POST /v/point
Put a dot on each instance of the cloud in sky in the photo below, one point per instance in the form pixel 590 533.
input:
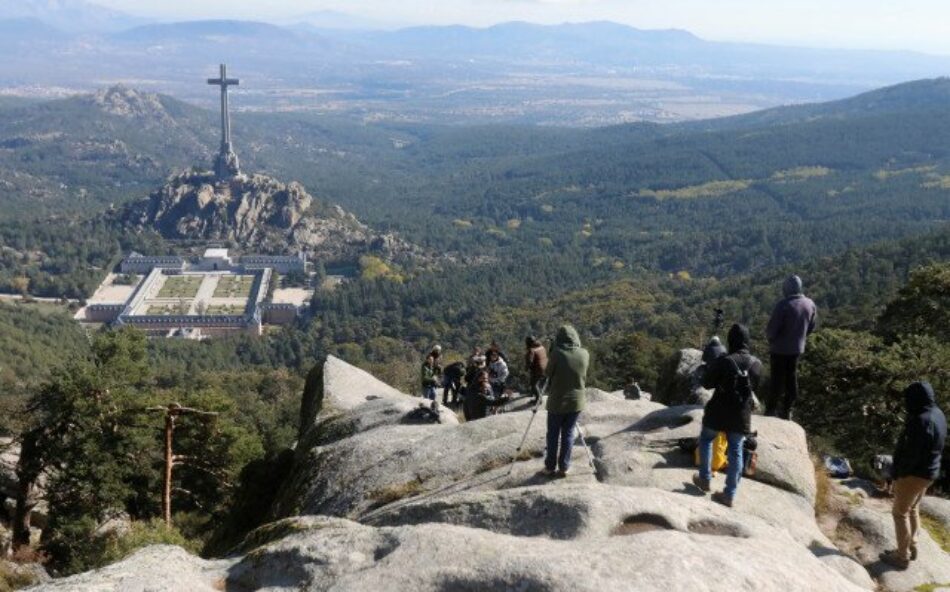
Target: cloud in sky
pixel 909 24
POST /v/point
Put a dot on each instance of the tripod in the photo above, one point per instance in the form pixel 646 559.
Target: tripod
pixel 590 457
pixel 534 412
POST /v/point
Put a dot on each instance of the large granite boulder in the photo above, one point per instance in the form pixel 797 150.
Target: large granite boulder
pixel 260 213
pixel 343 400
pixel 322 554
pixel 342 555
pixel 938 509
pixel 379 501
pixel 160 568
pixel 875 532
pixel 679 380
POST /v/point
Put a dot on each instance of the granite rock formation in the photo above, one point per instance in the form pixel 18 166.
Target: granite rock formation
pixel 260 213
pixel 377 500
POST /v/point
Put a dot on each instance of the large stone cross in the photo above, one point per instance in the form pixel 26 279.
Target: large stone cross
pixel 226 164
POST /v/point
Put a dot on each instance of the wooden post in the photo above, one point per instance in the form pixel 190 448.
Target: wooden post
pixel 169 464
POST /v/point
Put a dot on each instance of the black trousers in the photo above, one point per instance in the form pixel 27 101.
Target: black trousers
pixel 453 386
pixel 784 382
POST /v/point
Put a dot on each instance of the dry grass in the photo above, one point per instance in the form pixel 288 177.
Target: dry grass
pixel 711 189
pixel 938 532
pixel 801 173
pixel 394 493
pixel 825 502
pixel 12 578
pixel 497 463
pixel 29 555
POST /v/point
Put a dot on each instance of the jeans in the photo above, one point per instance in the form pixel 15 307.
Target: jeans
pixel 428 392
pixel 908 492
pixel 562 428
pixel 734 470
pixel 784 380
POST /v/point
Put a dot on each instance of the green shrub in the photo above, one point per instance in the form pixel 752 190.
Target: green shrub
pixel 853 382
pixel 140 535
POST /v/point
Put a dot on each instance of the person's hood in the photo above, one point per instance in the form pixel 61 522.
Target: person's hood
pixel 792 286
pixel 567 338
pixel 919 397
pixel 738 338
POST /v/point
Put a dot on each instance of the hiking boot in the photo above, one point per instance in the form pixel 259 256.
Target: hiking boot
pixel 913 552
pixel 702 484
pixel 562 473
pixel 720 497
pixel 547 472
pixel 894 559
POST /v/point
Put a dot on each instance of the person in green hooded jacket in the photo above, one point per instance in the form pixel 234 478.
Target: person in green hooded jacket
pixel 566 389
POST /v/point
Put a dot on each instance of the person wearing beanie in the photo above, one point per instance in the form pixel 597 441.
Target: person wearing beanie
pixel 734 378
pixel 794 318
pixel 713 350
pixel 916 466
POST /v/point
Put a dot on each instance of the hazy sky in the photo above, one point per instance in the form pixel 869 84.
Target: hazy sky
pixel 887 24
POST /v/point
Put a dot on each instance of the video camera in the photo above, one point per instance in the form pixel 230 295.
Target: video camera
pixel 719 320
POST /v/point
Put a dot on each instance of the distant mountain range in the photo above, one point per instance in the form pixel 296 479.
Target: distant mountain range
pixel 584 74
pixel 69 15
pixel 331 19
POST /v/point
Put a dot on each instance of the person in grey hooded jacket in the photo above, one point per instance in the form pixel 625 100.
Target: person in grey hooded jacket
pixel 793 320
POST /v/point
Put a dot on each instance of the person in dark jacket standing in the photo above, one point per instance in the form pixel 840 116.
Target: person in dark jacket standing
pixel 452 383
pixel 536 362
pixel 729 411
pixel 916 466
pixel 567 397
pixel 792 321
pixel 480 393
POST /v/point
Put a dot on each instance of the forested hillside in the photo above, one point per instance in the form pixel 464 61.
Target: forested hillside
pixel 634 234
pixel 764 190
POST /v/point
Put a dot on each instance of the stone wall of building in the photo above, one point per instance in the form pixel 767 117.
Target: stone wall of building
pixel 279 313
pixel 103 313
pixel 139 264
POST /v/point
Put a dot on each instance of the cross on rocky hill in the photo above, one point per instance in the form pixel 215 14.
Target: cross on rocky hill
pixel 226 164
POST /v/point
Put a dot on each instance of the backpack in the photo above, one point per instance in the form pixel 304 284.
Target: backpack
pixel 750 458
pixel 741 383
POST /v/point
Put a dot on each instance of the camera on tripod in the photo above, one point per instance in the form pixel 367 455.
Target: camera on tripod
pixel 719 320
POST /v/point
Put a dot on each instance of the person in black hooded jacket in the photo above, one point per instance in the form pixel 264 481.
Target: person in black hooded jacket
pixel 727 412
pixel 916 466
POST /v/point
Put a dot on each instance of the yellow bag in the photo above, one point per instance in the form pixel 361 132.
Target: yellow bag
pixel 719 449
